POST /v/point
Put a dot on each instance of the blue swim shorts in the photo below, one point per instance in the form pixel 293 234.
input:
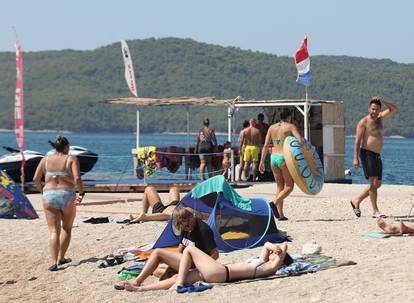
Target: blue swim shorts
pixel 59 198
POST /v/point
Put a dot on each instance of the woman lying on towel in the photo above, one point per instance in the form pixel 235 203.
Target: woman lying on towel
pixel 392 229
pixel 207 269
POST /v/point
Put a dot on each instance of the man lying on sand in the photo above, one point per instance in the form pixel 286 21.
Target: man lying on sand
pixel 401 228
pixel 160 212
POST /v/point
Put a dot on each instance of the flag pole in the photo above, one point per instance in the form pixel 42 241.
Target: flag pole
pixel 306 120
pixel 18 107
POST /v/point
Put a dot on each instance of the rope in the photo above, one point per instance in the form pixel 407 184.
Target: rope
pixel 188 154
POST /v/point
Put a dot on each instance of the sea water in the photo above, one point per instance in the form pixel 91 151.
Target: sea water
pixel 115 158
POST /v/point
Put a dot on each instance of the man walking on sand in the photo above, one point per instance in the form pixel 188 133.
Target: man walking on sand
pixel 369 140
pixel 251 139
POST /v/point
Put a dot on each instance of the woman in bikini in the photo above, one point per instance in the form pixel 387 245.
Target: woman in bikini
pixel 208 269
pixel 272 257
pixel 277 134
pixel 206 141
pixel 62 177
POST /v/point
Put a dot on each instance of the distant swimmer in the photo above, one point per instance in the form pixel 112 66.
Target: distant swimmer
pixel 369 141
pixel 251 140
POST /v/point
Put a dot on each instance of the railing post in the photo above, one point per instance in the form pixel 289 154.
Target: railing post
pixel 232 168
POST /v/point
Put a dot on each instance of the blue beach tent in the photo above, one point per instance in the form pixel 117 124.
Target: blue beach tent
pixel 13 203
pixel 237 222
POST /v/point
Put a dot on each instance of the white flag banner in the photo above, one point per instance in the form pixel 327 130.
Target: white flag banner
pixel 129 69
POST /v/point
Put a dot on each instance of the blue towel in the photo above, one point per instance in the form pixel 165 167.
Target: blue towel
pixel 376 234
pixel 297 267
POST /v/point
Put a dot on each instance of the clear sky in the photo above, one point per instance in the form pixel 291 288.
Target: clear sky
pixel 363 28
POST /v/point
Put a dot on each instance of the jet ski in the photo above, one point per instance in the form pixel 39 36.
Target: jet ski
pixel 87 159
pixel 12 163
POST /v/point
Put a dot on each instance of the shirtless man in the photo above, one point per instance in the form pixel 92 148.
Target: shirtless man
pixel 369 140
pixel 160 212
pixel 251 139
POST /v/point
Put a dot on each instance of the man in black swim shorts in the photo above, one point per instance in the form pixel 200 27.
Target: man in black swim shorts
pixel 160 212
pixel 369 141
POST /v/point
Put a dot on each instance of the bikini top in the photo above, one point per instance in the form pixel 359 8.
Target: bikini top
pixel 256 262
pixel 54 174
pixel 278 140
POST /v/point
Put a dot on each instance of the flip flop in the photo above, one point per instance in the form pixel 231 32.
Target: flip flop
pixel 283 219
pixel 54 267
pixel 119 286
pixel 199 287
pixel 356 210
pixel 379 216
pixel 64 261
pixel 184 288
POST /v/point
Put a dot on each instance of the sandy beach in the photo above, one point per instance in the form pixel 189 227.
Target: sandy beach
pixel 384 271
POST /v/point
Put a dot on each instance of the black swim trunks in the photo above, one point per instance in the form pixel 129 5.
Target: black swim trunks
pixel 371 163
pixel 159 207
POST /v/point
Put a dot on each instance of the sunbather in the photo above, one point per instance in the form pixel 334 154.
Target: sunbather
pixel 207 269
pixel 401 228
pixel 160 212
pixel 194 233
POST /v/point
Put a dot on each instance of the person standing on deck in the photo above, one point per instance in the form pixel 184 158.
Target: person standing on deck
pixel 251 139
pixel 205 145
pixel 369 141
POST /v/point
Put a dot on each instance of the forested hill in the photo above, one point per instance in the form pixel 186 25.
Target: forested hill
pixel 62 87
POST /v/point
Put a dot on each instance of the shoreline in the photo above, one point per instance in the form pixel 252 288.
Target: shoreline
pixel 5 130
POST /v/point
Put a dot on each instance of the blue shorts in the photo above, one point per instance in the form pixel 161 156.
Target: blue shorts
pixel 59 198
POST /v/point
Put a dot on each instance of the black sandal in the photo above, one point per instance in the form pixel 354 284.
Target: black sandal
pixel 54 267
pixel 64 261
